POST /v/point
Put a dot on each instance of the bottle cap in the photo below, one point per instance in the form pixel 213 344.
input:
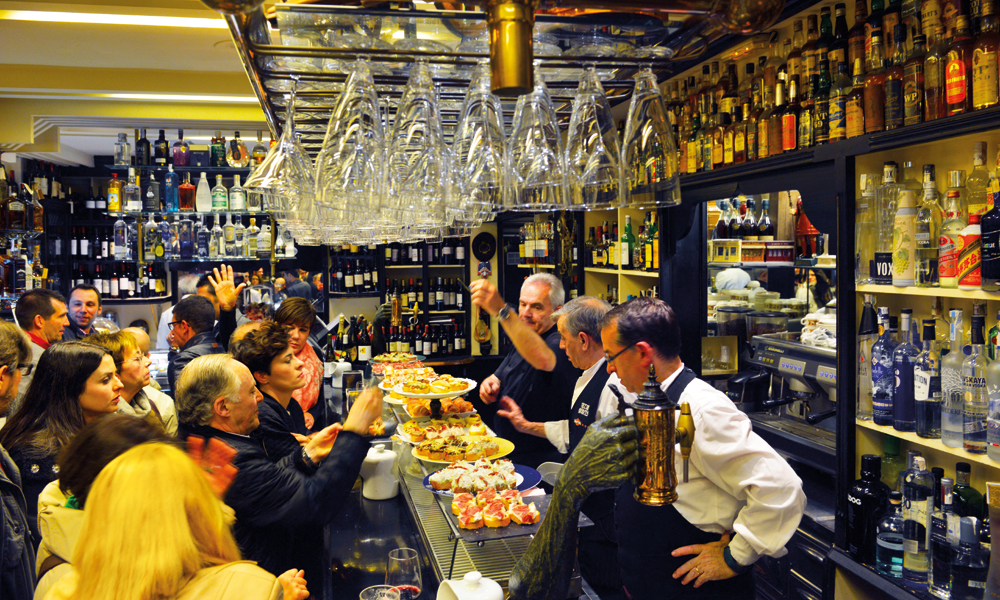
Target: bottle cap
pixel 963 467
pixel 895 497
pixel 871 463
pixel 919 463
pixel 969 534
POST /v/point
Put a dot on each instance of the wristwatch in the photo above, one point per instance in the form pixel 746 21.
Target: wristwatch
pixel 504 313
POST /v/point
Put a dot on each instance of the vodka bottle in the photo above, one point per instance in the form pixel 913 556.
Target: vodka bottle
pixel 867 334
pixel 121 240
pixel 976 397
pixel 928 232
pixel 239 237
pixel 237 197
pixel 203 237
pixel 123 151
pixel 904 245
pixel 885 215
pixel 993 412
pixel 131 192
pixel 203 195
pixel 150 235
pixel 229 236
pixel 251 239
pixel 918 505
pixel 883 384
pixel 864 228
pixel 952 392
pixel 217 243
pixel 944 534
pixel 220 196
pixel 903 360
pixel 889 539
pixel 970 563
pixel 927 386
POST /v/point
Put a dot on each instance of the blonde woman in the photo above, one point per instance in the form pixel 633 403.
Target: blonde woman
pixel 154 529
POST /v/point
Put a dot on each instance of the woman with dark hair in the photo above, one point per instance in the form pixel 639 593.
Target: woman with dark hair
pixel 297 316
pixel 61 503
pixel 74 383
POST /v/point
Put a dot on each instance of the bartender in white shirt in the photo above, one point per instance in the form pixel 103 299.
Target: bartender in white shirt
pixel 580 336
pixel 742 500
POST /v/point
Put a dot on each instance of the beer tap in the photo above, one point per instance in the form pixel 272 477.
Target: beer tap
pixel 654 417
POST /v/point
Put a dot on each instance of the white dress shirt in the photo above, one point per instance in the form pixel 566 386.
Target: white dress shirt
pixel 557 432
pixel 736 482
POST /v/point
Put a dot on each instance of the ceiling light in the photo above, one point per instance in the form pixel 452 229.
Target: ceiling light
pixel 184 98
pixel 112 19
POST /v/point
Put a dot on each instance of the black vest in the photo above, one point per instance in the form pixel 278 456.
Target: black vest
pixel 584 411
pixel 648 534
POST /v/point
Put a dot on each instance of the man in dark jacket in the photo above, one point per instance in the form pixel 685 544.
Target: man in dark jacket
pixel 281 507
pixel 191 331
pixel 17 557
pixel 297 287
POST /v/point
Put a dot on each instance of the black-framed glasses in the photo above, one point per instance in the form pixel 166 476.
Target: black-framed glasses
pixel 26 369
pixel 611 359
pixel 173 324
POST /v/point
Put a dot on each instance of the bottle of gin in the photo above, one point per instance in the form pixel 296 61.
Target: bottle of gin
pixel 239 236
pixel 203 195
pixel 928 232
pixel 229 235
pixel 968 500
pixel 150 234
pixel 121 239
pixel 969 563
pixel 889 539
pixel 944 534
pixel 976 396
pixel 952 391
pixel 867 334
pixel 203 237
pixel 151 199
pixel 883 384
pixel 237 197
pixel 131 192
pixel 171 185
pixel 927 386
pixel 866 502
pixel 217 242
pixel 904 413
pixel 220 196
pixel 264 242
pixel 251 239
pixel 123 151
pixel 918 505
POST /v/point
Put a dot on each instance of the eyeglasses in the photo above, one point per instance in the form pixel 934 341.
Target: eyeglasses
pixel 26 369
pixel 137 359
pixel 173 324
pixel 611 359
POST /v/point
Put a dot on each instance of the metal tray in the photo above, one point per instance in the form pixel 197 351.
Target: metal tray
pixel 485 534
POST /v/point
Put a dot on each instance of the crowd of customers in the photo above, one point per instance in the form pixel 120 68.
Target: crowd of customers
pixel 112 488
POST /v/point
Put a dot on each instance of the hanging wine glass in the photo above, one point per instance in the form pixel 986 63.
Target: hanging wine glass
pixel 480 151
pixel 592 148
pixel 650 178
pixel 537 162
pixel 418 179
pixel 350 168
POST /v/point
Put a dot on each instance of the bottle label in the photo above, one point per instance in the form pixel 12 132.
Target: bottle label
pixel 727 150
pixel 874 108
pixel 984 78
pixel 926 385
pixel 763 149
pixel 903 246
pixel 717 154
pixel 913 92
pixel 956 85
pixel 881 269
pixel 894 102
pixel 692 162
pixel 969 260
pixel 855 117
pixel 930 16
pixel 364 353
pixel 821 121
pixel 949 248
pixel 220 201
pixel 789 132
pixel 838 118
pixel 991 257
pixel 882 390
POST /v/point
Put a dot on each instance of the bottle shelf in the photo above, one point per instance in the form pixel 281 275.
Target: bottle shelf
pixel 650 274
pixel 602 270
pixel 938 445
pixel 187 169
pixel 186 213
pixel 758 265
pixel 403 266
pixel 220 260
pixel 889 587
pixel 354 295
pixel 455 266
pixel 152 300
pixel 536 266
pixel 931 292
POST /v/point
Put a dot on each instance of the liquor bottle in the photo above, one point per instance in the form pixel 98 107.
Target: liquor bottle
pixel 952 390
pixel 114 194
pixel 121 239
pixel 131 193
pixel 229 236
pixel 123 151
pixel 170 190
pixel 958 82
pixel 775 135
pixel 883 384
pixel 935 78
pixel 203 195
pixel 978 181
pixel 626 244
pixel 904 361
pixel 873 24
pixel 185 238
pixel 259 151
pixel 810 60
pixel 837 51
pixel 186 194
pixel 985 78
pixel 950 240
pixel 790 118
pixel 976 395
pixel 856 47
pixel 181 150
pixel 239 236
pixel 735 223
pixel 237 155
pixel 717 133
pixel 220 196
pixel 894 81
pixel 927 385
pixel 264 241
pixel 918 505
pixel 889 538
pixel 253 200
pixel 856 103
pixel 943 534
pixel 866 503
pixel 160 150
pixel 252 232
pixel 150 231
pixel 217 157
pixel 202 237
pixel 913 82
pixel 839 93
pixel 151 199
pixel 868 333
pixel 968 500
pixel 748 226
pixel 439 294
pixel 970 256
pixel 993 419
pixel 970 563
pixel 928 234
pixel 237 197
pixel 143 157
pixel 890 19
pixel 821 105
pixel 875 86
pixel 794 60
pixel 806 134
pixel 865 228
pixel 903 239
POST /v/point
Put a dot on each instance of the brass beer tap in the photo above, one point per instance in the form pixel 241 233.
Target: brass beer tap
pixel 656 479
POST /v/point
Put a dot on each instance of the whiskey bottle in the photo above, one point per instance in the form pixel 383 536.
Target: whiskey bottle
pixel 958 69
pixel 875 86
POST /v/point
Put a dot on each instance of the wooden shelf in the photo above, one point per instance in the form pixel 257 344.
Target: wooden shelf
pixel 387 267
pixel 536 266
pixel 455 266
pixel 154 300
pixel 931 292
pixel 650 274
pixel 602 270
pixel 958 453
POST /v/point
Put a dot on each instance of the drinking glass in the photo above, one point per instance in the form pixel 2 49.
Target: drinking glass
pixel 650 178
pixel 402 571
pixel 417 162
pixel 592 148
pixel 479 150
pixel 537 162
pixel 379 592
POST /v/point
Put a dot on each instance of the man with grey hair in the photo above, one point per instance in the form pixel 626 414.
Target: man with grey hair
pixel 536 374
pixel 579 324
pixel 281 506
pixel 186 286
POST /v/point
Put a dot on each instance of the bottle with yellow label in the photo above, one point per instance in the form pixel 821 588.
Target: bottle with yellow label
pixel 985 78
pixel 114 194
pixel 856 103
pixel 904 239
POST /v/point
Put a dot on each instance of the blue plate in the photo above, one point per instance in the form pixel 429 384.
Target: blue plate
pixel 527 478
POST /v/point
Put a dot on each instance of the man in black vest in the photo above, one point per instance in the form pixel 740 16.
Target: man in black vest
pixel 536 373
pixel 579 324
pixel 741 500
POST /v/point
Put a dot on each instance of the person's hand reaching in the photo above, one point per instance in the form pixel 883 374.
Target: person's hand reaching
pixel 293 584
pixel 216 461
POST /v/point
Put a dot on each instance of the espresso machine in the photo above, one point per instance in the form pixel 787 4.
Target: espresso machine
pixel 801 398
